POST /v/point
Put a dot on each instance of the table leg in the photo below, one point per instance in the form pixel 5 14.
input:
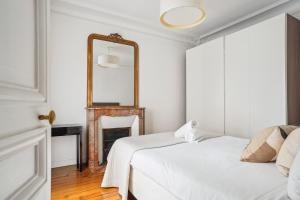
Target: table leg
pixel 77 149
pixel 80 147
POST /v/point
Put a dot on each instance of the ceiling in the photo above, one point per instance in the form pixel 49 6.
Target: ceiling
pixel 219 12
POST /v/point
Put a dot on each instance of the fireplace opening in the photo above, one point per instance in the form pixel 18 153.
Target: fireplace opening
pixel 110 135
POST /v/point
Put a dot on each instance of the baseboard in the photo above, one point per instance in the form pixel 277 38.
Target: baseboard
pixel 61 163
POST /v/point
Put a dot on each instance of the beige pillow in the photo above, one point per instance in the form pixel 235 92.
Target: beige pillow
pixel 288 152
pixel 265 146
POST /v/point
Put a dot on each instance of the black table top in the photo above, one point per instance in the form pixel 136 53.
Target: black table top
pixel 66 129
pixel 66 125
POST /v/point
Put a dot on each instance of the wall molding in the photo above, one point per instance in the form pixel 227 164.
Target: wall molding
pixel 92 12
pixel 280 6
pixel 61 163
pixel 86 11
pixel 13 144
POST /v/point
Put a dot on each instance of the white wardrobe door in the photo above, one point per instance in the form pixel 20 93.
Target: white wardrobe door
pixel 255 78
pixel 237 97
pixel 267 47
pixel 205 85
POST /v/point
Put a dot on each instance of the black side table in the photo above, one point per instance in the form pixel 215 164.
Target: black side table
pixel 70 129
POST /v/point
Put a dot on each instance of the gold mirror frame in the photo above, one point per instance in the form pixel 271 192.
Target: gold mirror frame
pixel 116 38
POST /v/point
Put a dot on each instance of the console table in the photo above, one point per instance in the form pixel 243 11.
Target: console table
pixel 70 129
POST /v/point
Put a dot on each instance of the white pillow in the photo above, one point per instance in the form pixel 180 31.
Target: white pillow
pixel 294 179
pixel 200 135
pixel 186 128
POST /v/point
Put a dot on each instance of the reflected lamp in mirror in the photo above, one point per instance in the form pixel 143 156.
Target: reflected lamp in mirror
pixel 116 57
pixel 108 61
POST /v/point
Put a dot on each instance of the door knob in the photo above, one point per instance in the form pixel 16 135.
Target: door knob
pixel 50 117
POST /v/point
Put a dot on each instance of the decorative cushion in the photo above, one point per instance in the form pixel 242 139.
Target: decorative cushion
pixel 288 152
pixel 265 146
pixel 294 179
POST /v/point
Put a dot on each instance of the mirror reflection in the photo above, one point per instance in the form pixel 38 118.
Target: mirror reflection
pixel 113 74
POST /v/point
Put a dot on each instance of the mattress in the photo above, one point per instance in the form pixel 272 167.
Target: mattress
pixel 210 170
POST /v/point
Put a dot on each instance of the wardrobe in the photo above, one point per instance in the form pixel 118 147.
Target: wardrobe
pixel 243 82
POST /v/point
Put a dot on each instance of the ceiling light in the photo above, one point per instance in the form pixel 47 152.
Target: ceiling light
pixel 182 14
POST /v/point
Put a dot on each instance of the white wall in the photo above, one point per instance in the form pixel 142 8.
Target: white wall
pixel 162 78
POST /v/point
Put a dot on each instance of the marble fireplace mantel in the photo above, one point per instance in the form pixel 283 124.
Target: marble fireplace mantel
pixel 93 115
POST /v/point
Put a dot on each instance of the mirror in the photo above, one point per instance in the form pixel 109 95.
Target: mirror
pixel 112 71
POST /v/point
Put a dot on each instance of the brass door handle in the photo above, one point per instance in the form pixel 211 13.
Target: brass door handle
pixel 50 117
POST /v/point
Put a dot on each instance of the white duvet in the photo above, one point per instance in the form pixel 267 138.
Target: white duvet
pixel 118 162
pixel 210 170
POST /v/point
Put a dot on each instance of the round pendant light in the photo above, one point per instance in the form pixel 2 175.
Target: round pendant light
pixel 181 14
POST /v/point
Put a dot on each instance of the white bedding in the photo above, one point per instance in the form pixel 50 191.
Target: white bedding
pixel 210 170
pixel 118 162
pixel 144 188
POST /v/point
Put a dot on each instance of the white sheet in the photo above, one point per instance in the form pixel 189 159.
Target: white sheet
pixel 118 161
pixel 210 170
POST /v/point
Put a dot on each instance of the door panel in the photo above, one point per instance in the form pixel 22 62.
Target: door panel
pixel 24 140
pixel 205 85
pixel 237 80
pixel 255 82
pixel 23 163
pixel 23 175
pixel 267 70
pixel 18 64
pixel 23 50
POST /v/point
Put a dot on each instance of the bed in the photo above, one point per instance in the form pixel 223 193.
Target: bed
pixel 210 170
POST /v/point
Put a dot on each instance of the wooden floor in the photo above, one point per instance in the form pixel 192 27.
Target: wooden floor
pixel 68 183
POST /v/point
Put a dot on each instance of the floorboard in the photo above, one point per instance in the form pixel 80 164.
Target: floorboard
pixel 68 183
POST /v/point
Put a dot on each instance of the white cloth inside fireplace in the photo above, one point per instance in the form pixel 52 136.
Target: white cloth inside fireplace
pixel 105 122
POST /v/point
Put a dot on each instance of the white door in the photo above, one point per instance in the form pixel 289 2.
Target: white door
pixel 24 140
pixel 237 79
pixel 255 82
pixel 205 85
pixel 267 47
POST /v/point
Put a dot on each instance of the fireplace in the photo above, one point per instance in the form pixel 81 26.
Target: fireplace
pixel 99 118
pixel 110 135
